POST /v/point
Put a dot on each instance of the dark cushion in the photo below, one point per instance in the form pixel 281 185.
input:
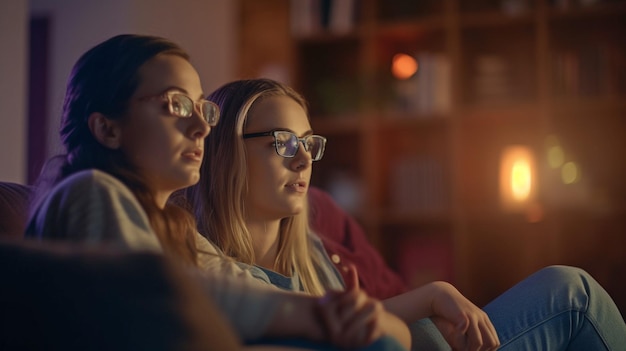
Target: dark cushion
pixel 62 297
pixel 347 244
pixel 13 209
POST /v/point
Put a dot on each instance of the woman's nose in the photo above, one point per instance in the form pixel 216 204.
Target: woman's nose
pixel 199 127
pixel 302 159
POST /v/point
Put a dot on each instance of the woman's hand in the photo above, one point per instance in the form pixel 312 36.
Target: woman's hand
pixel 353 319
pixel 462 324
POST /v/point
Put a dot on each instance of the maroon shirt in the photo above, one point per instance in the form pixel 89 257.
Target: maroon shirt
pixel 346 243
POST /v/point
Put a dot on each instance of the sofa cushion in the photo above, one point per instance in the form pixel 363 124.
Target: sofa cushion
pixel 13 209
pixel 67 297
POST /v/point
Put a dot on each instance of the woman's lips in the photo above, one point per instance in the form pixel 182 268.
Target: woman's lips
pixel 297 186
pixel 194 155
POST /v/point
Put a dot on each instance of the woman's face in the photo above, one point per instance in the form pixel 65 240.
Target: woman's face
pixel 166 150
pixel 277 185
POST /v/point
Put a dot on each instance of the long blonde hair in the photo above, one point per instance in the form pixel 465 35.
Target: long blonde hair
pixel 218 200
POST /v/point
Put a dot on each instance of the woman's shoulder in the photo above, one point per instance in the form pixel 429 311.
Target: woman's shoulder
pixel 87 186
pixel 92 206
pixel 92 185
pixel 92 179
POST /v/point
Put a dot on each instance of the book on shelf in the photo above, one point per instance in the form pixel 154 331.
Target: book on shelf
pixel 491 79
pixel 565 70
pixel 583 72
pixel 418 186
pixel 428 92
pixel 310 17
pixel 569 4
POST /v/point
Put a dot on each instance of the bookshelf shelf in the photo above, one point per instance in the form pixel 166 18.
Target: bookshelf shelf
pixel 507 72
pixel 325 37
pixel 496 19
pixel 602 10
pixel 610 103
pixel 419 24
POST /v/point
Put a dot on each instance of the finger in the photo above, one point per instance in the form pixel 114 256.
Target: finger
pixel 474 337
pixel 337 307
pixel 490 336
pixel 449 332
pixel 459 338
pixel 352 279
pixel 327 309
pixel 494 334
pixel 362 326
pixel 344 319
pixel 457 341
pixel 462 325
pixel 351 304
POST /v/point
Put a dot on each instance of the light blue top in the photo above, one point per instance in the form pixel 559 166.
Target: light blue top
pixel 329 275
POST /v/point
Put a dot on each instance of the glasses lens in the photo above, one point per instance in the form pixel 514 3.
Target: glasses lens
pixel 181 105
pixel 315 146
pixel 286 144
pixel 211 113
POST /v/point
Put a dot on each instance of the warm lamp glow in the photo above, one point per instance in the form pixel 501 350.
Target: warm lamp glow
pixel 517 177
pixel 521 180
pixel 403 66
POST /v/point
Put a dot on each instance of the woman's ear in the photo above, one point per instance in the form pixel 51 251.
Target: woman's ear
pixel 105 130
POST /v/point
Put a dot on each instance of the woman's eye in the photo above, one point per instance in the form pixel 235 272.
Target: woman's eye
pixel 177 107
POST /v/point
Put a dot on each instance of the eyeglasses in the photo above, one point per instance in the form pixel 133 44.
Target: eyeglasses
pixel 287 143
pixel 181 105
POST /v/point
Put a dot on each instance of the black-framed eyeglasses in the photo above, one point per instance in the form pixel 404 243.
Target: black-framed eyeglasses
pixel 181 105
pixel 287 143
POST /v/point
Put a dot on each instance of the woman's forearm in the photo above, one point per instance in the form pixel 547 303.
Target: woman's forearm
pixel 415 304
pixel 296 316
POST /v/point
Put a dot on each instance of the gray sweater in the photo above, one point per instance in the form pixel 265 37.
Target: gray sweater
pixel 95 208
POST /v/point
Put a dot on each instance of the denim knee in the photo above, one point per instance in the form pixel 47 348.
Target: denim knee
pixel 563 274
pixel 567 283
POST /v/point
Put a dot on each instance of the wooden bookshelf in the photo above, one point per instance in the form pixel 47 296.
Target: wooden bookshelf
pixel 505 73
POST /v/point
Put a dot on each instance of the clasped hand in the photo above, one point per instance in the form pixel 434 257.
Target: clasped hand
pixel 354 320
pixel 464 326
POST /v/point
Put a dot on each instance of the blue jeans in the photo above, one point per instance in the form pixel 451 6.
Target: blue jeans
pixel 557 308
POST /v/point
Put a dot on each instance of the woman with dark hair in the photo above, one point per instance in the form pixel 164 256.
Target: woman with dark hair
pixel 251 201
pixel 133 127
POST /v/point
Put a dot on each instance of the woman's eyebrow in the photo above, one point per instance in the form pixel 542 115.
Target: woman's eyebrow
pixel 308 132
pixel 184 91
pixel 173 88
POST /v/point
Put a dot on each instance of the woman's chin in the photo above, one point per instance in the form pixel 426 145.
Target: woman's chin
pixel 297 210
